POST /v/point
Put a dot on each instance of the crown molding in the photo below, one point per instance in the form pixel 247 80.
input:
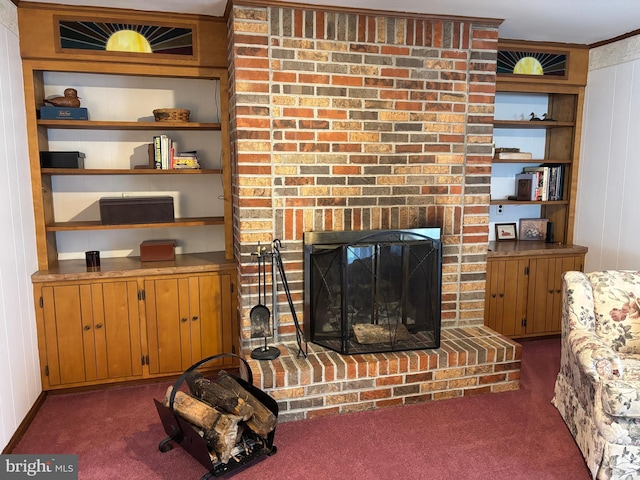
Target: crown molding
pixel 359 11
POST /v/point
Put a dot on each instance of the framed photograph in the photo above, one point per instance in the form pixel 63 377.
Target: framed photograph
pixel 506 231
pixel 533 229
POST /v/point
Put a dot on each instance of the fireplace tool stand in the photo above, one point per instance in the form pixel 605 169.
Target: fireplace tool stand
pixel 250 449
pixel 260 314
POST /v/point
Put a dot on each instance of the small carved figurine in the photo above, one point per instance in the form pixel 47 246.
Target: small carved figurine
pixel 534 118
pixel 547 118
pixel 70 99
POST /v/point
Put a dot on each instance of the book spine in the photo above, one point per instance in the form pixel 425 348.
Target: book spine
pixel 553 178
pixel 164 152
pixel 157 152
pixel 545 184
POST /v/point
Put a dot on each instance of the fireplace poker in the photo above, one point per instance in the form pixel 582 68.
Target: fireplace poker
pixel 276 244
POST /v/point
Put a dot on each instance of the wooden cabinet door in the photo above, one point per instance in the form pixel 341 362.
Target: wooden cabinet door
pixel 506 295
pixel 63 327
pixel 211 317
pixel 188 319
pixel 561 265
pixel 116 325
pixel 164 332
pixel 91 332
pixel 544 308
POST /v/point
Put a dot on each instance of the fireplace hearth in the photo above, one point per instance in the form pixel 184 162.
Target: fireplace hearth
pixel 373 291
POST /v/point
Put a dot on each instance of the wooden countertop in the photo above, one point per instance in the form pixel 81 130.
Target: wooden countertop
pixel 527 248
pixel 132 267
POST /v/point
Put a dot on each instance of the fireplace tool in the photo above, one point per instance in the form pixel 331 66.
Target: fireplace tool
pixel 260 314
pixel 250 448
pixel 277 258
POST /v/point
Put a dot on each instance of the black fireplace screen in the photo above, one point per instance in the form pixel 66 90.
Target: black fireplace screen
pixel 380 292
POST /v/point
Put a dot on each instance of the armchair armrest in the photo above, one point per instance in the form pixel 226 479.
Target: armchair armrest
pixel 578 311
pixel 597 360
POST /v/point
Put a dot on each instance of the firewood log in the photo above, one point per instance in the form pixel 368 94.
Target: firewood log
pixel 220 429
pixel 263 420
pixel 217 396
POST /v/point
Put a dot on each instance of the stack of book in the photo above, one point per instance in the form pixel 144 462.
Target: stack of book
pixel 185 160
pixel 506 153
pixel 547 182
pixel 163 152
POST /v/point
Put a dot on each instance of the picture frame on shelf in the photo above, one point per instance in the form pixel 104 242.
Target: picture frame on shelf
pixel 533 229
pixel 506 232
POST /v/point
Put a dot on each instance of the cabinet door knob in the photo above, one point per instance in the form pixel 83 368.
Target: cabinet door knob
pixel 493 295
pixel 550 291
pixel 99 325
pixel 558 290
pixel 87 328
pixel 183 319
pixel 501 295
pixel 194 318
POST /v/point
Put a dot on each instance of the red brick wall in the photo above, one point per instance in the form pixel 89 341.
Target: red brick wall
pixel 347 121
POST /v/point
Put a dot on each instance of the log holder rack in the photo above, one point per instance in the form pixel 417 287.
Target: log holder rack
pixel 184 434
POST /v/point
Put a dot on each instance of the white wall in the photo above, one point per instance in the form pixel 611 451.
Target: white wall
pixel 608 194
pixel 19 367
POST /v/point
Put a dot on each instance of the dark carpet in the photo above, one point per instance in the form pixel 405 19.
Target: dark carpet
pixel 510 435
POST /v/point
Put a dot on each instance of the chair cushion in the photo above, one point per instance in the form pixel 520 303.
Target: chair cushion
pixel 616 302
pixel 621 397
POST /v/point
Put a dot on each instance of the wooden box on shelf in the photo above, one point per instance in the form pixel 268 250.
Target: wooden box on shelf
pixel 157 251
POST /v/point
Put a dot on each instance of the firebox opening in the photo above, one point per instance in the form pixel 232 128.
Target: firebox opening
pixel 373 291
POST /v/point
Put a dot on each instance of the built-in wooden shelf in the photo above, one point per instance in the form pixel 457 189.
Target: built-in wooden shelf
pixel 530 124
pixel 524 248
pixel 130 171
pixel 531 160
pixel 96 225
pixel 531 202
pixel 117 267
pixel 109 125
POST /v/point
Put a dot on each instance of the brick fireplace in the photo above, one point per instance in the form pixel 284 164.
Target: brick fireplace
pixel 363 121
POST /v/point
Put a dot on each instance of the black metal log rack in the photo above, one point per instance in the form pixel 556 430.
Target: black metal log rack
pixel 250 447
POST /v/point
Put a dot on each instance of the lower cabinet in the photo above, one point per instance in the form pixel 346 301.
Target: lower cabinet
pixel 188 319
pixel 89 332
pixel 113 330
pixel 524 292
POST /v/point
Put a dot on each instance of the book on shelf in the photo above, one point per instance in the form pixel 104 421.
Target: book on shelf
pixel 186 160
pixel 164 155
pixel 547 182
pixel 513 155
pixel 542 182
pixel 556 182
pixel 157 155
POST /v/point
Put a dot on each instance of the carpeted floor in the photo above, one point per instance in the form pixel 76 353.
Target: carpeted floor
pixel 511 435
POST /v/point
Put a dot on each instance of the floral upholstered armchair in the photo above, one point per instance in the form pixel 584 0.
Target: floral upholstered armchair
pixel 597 391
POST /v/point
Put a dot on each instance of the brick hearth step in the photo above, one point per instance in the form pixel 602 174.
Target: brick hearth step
pixel 470 361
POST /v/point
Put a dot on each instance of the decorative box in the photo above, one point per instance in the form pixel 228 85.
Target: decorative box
pixel 157 250
pixel 128 210
pixel 63 113
pixel 62 159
